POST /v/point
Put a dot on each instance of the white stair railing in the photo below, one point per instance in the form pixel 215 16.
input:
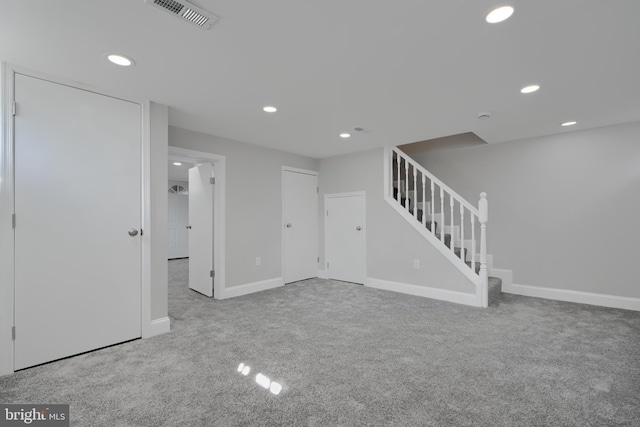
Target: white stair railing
pixel 416 194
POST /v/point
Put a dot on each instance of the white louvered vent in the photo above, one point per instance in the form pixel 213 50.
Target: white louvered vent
pixel 186 11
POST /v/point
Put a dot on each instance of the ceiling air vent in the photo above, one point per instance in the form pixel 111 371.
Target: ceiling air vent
pixel 361 130
pixel 186 11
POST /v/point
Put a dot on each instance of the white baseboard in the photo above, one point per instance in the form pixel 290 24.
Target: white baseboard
pixel 424 291
pixel 250 288
pixel 323 274
pixel 159 326
pixel 613 301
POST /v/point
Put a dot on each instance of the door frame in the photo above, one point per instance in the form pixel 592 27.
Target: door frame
pixel 364 243
pixel 283 219
pixel 219 197
pixel 7 206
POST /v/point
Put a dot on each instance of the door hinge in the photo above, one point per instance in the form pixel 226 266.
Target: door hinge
pixel 327 266
pixel 13 333
pixel 317 189
pixel 327 213
pixel 212 180
pixel 13 220
pixel 318 259
pixel 212 273
pixel 13 108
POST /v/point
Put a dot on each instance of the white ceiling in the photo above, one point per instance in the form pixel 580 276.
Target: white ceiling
pixel 179 172
pixel 407 70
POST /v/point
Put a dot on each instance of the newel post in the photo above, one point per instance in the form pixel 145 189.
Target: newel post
pixel 483 208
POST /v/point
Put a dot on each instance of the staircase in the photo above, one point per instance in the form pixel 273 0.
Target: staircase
pixel 453 225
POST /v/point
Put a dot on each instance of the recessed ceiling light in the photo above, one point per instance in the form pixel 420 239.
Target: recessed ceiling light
pixel 269 109
pixel 345 135
pixel 177 164
pixel 568 123
pixel 120 60
pixel 499 14
pixel 529 89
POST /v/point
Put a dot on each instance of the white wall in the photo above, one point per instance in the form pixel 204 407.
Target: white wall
pixel 159 124
pixel 253 202
pixel 563 209
pixel 392 243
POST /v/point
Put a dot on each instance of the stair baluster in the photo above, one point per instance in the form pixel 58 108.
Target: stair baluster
pixel 451 204
pixel 415 191
pixel 424 214
pixel 406 184
pixel 433 214
pixel 444 222
pixel 399 192
pixel 462 254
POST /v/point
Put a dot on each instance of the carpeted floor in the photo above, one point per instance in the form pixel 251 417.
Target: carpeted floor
pixel 347 355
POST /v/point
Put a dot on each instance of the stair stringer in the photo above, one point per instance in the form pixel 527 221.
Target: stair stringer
pixel 436 243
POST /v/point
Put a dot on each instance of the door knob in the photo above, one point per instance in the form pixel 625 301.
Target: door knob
pixel 133 232
pixel 188 227
pixel 358 228
pixel 288 225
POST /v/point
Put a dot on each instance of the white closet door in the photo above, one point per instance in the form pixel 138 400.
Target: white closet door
pixel 201 229
pixel 300 226
pixel 77 200
pixel 345 233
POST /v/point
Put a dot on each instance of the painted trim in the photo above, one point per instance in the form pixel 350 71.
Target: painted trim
pixel 6 229
pixel 282 212
pixel 298 170
pixel 323 274
pixel 328 196
pixel 219 210
pixel 146 243
pixel 425 291
pixel 250 288
pixel 159 326
pixel 613 301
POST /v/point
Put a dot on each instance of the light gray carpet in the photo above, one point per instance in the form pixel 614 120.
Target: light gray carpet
pixel 347 355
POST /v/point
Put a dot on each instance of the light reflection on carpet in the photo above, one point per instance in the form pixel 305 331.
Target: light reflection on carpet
pixel 261 379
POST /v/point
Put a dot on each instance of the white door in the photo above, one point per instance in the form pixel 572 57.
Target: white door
pixel 77 200
pixel 201 229
pixel 345 237
pixel 300 226
pixel 178 219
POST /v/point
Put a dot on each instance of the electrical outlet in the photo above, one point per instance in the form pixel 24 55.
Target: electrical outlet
pixel 416 263
pixel 258 260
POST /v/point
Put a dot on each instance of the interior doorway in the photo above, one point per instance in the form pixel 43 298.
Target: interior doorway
pixel 178 215
pixel 205 252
